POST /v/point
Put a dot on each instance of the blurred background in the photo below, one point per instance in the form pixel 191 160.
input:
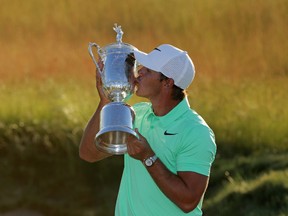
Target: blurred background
pixel 47 94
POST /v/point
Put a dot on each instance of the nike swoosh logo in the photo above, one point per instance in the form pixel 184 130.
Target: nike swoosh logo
pixel 166 133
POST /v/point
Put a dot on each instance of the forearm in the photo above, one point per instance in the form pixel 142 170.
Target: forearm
pixel 184 194
pixel 185 189
pixel 87 148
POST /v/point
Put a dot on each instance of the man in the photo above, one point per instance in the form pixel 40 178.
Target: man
pixel 166 170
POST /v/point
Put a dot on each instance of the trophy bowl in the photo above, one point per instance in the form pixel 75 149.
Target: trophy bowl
pixel 116 124
pixel 118 71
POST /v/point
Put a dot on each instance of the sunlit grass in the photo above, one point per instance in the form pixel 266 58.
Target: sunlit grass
pixel 224 38
pixel 246 116
pixel 254 186
pixel 47 94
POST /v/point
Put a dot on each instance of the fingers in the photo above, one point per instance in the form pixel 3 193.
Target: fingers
pixel 98 78
pixel 133 144
pixel 99 83
pixel 137 147
pixel 140 137
pixel 134 149
pixel 101 65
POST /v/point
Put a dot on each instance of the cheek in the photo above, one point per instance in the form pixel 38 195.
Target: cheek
pixel 151 86
pixel 144 88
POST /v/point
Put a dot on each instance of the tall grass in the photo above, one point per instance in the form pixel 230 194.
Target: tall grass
pixel 227 38
pixel 47 94
pixel 245 116
pixel 239 50
pixel 253 186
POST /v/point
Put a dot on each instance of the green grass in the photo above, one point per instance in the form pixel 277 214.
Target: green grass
pixel 48 94
pixel 41 130
pixel 248 115
pixel 244 116
pixel 253 185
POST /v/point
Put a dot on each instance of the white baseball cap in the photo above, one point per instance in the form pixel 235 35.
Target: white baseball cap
pixel 170 61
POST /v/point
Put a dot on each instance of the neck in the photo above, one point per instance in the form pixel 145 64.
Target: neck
pixel 163 106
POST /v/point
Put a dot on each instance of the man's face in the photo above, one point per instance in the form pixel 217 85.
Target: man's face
pixel 148 83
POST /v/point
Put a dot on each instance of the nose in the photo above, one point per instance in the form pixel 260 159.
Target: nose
pixel 141 71
pixel 140 74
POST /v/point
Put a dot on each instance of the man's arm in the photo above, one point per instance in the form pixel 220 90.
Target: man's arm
pixel 185 189
pixel 87 148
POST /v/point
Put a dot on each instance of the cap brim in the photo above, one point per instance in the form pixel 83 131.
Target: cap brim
pixel 144 59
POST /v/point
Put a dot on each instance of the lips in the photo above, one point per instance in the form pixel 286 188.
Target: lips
pixel 136 83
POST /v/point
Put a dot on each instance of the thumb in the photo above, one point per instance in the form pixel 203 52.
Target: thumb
pixel 140 137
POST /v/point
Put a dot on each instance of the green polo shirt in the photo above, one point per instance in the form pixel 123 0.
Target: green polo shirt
pixel 183 142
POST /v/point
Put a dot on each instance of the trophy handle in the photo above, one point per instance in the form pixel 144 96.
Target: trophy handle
pixel 91 45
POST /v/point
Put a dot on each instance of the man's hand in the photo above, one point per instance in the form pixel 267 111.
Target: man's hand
pixel 99 84
pixel 87 148
pixel 139 148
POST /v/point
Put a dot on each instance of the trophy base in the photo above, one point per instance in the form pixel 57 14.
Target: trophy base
pixel 113 139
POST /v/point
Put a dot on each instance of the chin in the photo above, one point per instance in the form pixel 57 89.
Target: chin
pixel 138 91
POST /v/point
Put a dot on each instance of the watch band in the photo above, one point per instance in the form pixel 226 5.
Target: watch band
pixel 150 161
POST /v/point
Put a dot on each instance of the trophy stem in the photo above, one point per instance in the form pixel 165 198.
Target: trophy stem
pixel 117 97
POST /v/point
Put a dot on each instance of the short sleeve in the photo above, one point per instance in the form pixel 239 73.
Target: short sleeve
pixel 197 151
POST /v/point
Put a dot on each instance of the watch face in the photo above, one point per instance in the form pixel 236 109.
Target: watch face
pixel 148 162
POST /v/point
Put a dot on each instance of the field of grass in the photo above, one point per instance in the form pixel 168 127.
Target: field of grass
pixel 239 49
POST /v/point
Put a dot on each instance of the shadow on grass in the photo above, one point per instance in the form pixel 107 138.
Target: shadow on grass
pixel 268 199
pixel 40 170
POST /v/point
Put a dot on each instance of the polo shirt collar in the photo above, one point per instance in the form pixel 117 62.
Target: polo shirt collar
pixel 174 114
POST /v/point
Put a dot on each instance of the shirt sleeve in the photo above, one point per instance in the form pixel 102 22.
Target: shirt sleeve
pixel 197 151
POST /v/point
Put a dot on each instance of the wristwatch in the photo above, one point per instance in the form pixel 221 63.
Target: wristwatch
pixel 150 161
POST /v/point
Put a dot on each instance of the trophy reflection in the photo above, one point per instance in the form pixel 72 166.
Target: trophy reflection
pixel 117 74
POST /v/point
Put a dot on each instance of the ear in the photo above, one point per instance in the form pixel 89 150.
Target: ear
pixel 169 83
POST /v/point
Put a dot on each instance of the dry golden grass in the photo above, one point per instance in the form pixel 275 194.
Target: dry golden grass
pixel 47 94
pixel 238 47
pixel 227 39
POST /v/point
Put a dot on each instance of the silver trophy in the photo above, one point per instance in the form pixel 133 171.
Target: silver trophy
pixel 117 117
